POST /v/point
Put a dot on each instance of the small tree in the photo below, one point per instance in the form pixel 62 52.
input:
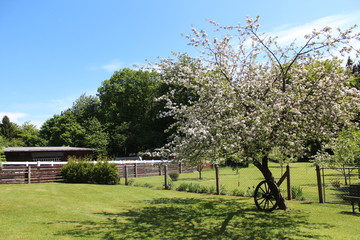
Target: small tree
pixel 8 129
pixel 279 155
pixel 341 152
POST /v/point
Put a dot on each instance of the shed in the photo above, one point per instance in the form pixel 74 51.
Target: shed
pixel 57 154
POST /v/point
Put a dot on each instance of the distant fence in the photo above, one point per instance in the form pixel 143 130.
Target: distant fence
pixel 333 183
pixel 41 171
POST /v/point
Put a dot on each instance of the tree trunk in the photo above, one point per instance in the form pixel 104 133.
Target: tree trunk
pixel 264 169
pixel 344 174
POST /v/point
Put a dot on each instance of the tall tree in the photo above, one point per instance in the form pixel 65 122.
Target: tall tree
pixel 8 129
pixel 85 108
pixel 63 130
pixel 254 95
pixel 95 136
pixel 130 111
pixel 30 135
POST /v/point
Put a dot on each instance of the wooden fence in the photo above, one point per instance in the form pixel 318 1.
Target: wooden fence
pixel 40 172
pixel 30 174
pixel 152 169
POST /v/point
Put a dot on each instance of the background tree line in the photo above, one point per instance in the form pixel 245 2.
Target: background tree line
pixel 122 118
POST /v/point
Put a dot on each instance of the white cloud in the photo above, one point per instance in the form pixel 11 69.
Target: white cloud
pixel 289 33
pixel 13 116
pixel 112 66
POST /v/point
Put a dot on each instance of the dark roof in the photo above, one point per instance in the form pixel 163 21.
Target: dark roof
pixel 46 149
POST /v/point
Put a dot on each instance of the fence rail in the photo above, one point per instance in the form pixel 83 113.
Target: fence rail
pixel 42 171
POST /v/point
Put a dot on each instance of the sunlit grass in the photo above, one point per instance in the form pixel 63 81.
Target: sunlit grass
pixel 84 211
pixel 303 175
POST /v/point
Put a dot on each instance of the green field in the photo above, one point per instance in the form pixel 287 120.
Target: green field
pixel 84 211
pixel 303 175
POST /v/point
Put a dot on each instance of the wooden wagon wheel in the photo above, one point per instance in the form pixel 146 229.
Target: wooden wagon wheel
pixel 264 198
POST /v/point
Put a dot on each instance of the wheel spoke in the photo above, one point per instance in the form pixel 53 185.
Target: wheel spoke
pixel 266 204
pixel 266 187
pixel 262 201
pixel 263 196
pixel 260 196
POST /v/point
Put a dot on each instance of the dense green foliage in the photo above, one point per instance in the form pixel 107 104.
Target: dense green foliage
pixel 77 172
pixel 129 111
pixel 174 175
pixel 87 172
pixel 123 118
pixel 13 135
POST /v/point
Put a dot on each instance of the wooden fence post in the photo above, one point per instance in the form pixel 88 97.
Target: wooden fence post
pixel 288 181
pixel 135 170
pixel 126 175
pixel 166 177
pixel 180 168
pixel 318 176
pixel 29 174
pixel 217 179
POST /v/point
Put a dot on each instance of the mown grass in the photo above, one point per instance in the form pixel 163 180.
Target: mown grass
pixel 84 211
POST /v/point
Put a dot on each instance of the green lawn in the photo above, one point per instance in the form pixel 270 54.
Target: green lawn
pixel 302 175
pixel 84 211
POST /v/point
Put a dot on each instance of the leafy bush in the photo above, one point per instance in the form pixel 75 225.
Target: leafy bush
pixel 131 182
pixel 174 175
pixel 183 187
pixel 84 171
pixel 336 184
pixel 238 192
pixel 204 189
pixel 297 193
pixel 77 172
pixel 223 190
pixel 148 185
pixel 170 185
pixel 212 189
pixel 105 173
pixel 195 188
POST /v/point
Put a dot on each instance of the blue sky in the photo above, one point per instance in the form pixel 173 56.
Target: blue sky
pixel 52 51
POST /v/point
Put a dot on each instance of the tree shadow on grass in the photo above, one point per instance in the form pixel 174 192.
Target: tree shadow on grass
pixel 206 218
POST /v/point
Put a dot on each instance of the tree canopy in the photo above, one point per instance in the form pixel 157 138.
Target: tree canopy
pixel 255 95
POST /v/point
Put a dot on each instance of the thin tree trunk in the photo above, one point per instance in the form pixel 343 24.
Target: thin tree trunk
pixel 344 174
pixel 264 169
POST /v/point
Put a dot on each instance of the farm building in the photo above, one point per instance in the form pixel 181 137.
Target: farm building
pixel 22 154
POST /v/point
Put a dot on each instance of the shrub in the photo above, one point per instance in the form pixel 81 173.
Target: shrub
pixel 105 173
pixel 174 175
pixel 131 182
pixel 84 171
pixel 183 187
pixel 297 193
pixel 195 188
pixel 204 189
pixel 148 185
pixel 77 172
pixel 336 184
pixel 238 192
pixel 170 185
pixel 212 189
pixel 223 190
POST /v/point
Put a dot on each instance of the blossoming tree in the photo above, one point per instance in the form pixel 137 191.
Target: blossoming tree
pixel 252 94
